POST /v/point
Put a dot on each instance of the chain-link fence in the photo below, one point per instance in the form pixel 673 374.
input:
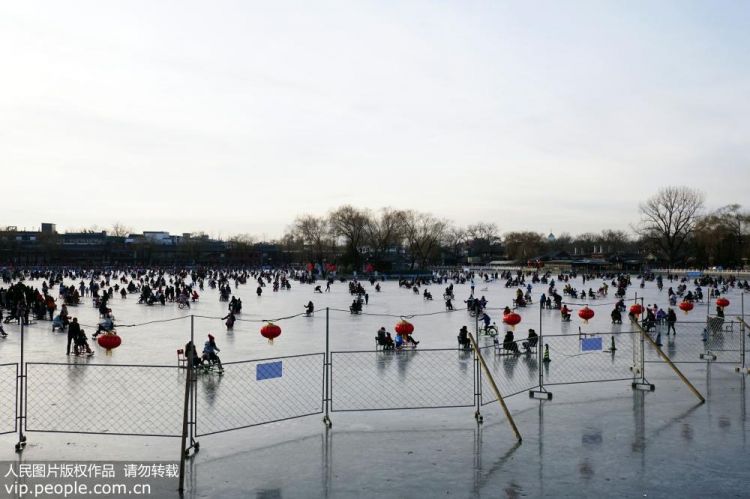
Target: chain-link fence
pixel 8 398
pixel 585 358
pixel 718 339
pixel 402 379
pixel 256 392
pixel 108 399
pixel 512 373
pixel 149 400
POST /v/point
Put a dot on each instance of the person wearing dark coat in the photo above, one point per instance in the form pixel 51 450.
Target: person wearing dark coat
pixel 74 329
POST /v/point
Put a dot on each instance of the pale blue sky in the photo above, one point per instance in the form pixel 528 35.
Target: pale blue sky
pixel 234 117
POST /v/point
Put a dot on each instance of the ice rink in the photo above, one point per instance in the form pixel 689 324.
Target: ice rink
pixel 593 435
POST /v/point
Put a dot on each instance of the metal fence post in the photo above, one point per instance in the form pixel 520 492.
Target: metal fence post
pixel 327 373
pixel 541 393
pixel 21 385
pixel 742 368
pixel 539 351
pixel 183 441
pixel 477 389
pixel 193 387
pixel 643 348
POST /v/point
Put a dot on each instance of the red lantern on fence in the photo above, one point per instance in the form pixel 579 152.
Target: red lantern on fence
pixel 686 306
pixel 722 302
pixel 270 331
pixel 512 319
pixel 636 309
pixel 109 341
pixel 404 328
pixel 585 313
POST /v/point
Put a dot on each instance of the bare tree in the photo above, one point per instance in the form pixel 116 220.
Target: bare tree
pixel 423 234
pixel 585 243
pixel 93 229
pixel 454 241
pixel 735 219
pixel 482 238
pixel 120 230
pixel 523 245
pixel 244 238
pixel 482 230
pixel 719 235
pixel 563 242
pixel 350 224
pixel 385 231
pixel 615 241
pixel 668 219
pixel 314 232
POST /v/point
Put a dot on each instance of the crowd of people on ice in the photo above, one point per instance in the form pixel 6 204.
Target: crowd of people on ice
pixel 64 288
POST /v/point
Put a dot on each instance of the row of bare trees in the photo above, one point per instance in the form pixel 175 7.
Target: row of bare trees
pixel 674 229
pixel 358 235
pixel 364 235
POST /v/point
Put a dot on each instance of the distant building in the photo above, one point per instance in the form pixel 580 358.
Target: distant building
pixel 158 237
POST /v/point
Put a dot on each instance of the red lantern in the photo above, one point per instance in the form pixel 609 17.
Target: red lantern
pixel 722 302
pixel 404 327
pixel 636 309
pixel 586 313
pixel 270 331
pixel 686 306
pixel 109 341
pixel 512 319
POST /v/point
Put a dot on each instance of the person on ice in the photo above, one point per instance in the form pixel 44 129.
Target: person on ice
pixel 463 337
pixel 671 319
pixel 616 316
pixel 509 343
pixel 229 318
pixel 487 321
pixel 209 352
pixel 191 354
pixel 82 344
pixel 531 340
pixel 565 313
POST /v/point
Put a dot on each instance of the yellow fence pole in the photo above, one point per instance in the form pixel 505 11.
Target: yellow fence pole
pixel 494 388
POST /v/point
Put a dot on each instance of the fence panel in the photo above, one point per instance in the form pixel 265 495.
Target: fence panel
pixel 513 374
pixel 256 392
pixel 8 398
pixel 406 379
pixel 108 399
pixel 588 358
pixel 724 341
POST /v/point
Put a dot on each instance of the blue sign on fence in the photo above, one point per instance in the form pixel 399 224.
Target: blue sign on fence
pixel 269 370
pixel 591 344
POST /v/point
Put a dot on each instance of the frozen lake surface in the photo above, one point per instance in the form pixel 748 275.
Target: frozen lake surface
pixel 421 453
pixel 167 328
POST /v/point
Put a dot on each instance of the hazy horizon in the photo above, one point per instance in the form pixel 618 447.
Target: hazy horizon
pixel 235 117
